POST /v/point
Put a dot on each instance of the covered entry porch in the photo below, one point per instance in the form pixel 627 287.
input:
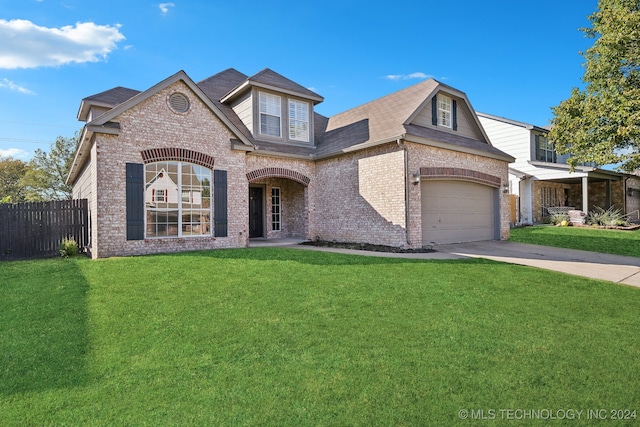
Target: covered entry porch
pixel 598 188
pixel 278 205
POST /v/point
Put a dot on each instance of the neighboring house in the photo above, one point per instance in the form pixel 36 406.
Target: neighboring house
pixel 187 166
pixel 541 178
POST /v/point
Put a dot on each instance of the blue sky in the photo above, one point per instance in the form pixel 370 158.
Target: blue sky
pixel 513 59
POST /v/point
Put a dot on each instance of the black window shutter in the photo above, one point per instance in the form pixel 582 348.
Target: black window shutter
pixel 220 203
pixel 434 110
pixel 135 201
pixel 454 115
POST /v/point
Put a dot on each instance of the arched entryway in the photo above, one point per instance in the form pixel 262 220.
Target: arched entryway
pixel 278 204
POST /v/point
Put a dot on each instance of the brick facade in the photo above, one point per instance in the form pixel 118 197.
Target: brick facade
pixel 362 196
pixel 424 158
pixel 152 125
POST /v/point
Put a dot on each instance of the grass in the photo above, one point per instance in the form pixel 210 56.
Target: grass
pixel 618 242
pixel 272 336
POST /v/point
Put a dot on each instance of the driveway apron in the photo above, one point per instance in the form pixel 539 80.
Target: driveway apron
pixel 614 268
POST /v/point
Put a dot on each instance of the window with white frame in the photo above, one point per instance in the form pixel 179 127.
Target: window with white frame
pixel 177 200
pixel 444 111
pixel 298 120
pixel 158 195
pixel 275 209
pixel 270 114
pixel 544 149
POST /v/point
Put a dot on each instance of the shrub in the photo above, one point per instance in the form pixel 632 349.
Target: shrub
pixel 609 217
pixel 558 218
pixel 69 248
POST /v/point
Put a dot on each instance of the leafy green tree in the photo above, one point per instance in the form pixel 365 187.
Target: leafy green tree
pixel 12 171
pixel 47 172
pixel 601 123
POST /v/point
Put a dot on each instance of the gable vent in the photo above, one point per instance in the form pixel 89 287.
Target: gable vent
pixel 179 103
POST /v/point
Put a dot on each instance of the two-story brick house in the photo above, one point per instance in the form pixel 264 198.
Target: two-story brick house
pixel 187 166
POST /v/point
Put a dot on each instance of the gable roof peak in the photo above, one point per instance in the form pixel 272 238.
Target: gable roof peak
pixel 270 80
pixel 227 72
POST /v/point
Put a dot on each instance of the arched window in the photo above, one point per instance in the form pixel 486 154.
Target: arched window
pixel 177 199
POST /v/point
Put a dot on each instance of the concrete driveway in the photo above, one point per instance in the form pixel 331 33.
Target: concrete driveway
pixel 614 268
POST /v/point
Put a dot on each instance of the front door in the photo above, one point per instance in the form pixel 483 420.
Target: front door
pixel 256 213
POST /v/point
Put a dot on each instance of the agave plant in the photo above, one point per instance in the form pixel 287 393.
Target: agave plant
pixel 607 217
pixel 558 218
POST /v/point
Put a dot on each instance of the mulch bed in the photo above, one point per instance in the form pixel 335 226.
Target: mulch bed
pixel 367 247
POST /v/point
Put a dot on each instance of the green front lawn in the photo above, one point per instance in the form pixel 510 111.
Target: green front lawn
pixel 279 337
pixel 619 242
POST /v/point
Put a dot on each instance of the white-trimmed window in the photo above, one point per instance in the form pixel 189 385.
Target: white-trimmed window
pixel 275 209
pixel 177 200
pixel 159 195
pixel 444 111
pixel 298 120
pixel 270 116
pixel 545 151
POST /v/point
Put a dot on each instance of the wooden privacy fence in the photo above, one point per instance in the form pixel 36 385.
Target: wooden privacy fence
pixel 36 229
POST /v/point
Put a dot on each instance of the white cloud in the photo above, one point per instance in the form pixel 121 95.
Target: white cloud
pixel 416 75
pixel 16 153
pixel 6 83
pixel 164 7
pixel 27 45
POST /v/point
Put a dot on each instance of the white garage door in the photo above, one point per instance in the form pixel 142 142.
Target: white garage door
pixel 457 211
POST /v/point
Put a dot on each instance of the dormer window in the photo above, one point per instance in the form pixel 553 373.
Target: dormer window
pixel 444 111
pixel 270 116
pixel 298 120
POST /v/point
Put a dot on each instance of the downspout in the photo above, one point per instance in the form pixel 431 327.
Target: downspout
pixel 406 189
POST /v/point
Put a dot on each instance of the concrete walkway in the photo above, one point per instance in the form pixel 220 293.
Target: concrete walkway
pixel 613 268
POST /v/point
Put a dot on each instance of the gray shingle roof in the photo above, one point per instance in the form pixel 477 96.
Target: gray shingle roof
pixel 271 78
pixel 379 120
pixel 376 120
pixel 113 97
pixel 218 85
pixel 453 139
pixel 221 83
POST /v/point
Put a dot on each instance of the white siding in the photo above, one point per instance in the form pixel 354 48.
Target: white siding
pixel 543 173
pixel 512 139
pixel 518 141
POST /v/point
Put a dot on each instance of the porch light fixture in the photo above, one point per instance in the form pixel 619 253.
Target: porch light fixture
pixel 415 178
pixel 505 187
